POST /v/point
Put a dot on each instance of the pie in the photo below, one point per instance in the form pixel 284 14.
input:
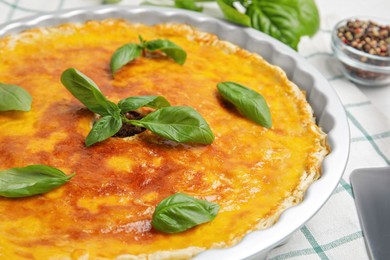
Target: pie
pixel 105 210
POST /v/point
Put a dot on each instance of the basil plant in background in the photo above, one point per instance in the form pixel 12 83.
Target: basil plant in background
pixel 285 20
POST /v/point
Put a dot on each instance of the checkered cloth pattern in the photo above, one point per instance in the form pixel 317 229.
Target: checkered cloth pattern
pixel 334 232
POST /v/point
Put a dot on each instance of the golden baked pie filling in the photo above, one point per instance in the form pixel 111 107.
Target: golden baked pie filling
pixel 105 211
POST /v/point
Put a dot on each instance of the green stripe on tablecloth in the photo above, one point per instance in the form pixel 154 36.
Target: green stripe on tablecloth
pixel 11 12
pixel 346 186
pixel 313 242
pixel 339 189
pixel 309 251
pixel 359 104
pixel 60 4
pixel 341 76
pixel 21 8
pixel 369 138
pixel 374 137
pixel 315 54
pixel 296 253
pixel 343 240
pixel 343 186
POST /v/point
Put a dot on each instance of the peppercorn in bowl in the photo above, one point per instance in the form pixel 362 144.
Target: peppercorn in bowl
pixel 362 47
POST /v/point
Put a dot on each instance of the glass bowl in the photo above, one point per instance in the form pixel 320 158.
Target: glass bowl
pixel 359 66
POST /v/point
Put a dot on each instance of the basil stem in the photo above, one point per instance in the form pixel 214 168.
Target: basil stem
pixel 131 51
pixel 180 212
pixel 124 55
pixel 13 97
pixel 104 128
pixel 177 123
pixel 88 93
pixel 248 102
pixel 30 180
pixel 133 103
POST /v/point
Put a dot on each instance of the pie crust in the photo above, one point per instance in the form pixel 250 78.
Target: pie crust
pixel 105 211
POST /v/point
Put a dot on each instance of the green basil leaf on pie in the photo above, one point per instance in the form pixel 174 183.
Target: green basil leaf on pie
pixel 13 97
pixel 172 50
pixel 177 123
pixel 133 103
pixel 180 212
pixel 103 129
pixel 88 93
pixel 30 180
pixel 124 55
pixel 248 102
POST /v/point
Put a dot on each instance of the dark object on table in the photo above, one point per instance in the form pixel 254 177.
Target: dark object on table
pixel 372 193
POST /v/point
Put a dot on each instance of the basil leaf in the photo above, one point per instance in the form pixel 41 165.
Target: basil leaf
pixel 248 102
pixel 133 103
pixel 88 93
pixel 188 4
pixel 169 48
pixel 178 123
pixel 232 14
pixel 180 212
pixel 124 55
pixel 276 21
pixel 286 20
pixel 309 16
pixel 13 97
pixel 30 180
pixel 103 129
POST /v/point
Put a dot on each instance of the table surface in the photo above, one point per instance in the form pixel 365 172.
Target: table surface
pixel 334 233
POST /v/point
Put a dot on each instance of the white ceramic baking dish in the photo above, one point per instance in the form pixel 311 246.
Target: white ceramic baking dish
pixel 327 108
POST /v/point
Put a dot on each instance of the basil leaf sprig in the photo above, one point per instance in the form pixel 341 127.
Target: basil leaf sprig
pixel 30 180
pixel 13 97
pixel 248 102
pixel 88 93
pixel 131 51
pixel 103 129
pixel 176 123
pixel 180 212
pixel 285 20
pixel 133 103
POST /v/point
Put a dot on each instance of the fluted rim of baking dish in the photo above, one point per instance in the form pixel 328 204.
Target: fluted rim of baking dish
pixel 328 110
